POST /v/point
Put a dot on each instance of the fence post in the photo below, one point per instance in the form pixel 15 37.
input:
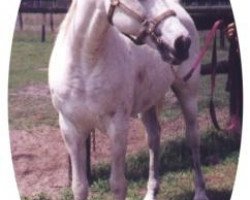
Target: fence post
pixel 20 19
pixel 51 16
pixel 51 22
pixel 43 37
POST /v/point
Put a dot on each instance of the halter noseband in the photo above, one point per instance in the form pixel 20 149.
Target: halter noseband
pixel 148 25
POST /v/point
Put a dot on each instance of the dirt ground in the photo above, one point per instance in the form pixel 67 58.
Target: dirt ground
pixel 41 161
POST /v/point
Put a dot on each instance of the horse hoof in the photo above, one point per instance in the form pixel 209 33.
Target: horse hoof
pixel 149 197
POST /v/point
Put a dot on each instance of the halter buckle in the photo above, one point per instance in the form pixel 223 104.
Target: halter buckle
pixel 150 26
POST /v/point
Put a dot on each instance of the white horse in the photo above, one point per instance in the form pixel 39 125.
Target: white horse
pixel 99 78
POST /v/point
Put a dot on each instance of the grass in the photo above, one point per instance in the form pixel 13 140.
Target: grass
pixel 176 172
pixel 28 67
pixel 38 111
pixel 219 151
pixel 221 97
pixel 28 60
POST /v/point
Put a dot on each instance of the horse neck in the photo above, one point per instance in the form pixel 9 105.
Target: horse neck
pixel 86 26
pixel 96 33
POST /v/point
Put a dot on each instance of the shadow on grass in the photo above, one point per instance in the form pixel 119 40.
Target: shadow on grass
pixel 212 194
pixel 219 195
pixel 175 155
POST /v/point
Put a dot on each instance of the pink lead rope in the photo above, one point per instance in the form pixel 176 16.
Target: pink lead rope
pixel 210 36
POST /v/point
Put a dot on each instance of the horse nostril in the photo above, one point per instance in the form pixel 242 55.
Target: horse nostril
pixel 182 43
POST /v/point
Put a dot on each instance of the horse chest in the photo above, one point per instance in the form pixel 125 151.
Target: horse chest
pixel 151 84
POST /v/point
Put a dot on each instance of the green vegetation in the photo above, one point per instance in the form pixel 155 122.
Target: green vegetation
pixel 30 107
pixel 29 60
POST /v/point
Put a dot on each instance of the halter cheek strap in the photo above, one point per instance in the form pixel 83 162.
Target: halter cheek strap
pixel 117 3
pixel 148 25
pixel 151 25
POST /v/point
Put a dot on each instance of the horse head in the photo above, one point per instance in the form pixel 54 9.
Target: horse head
pixel 154 23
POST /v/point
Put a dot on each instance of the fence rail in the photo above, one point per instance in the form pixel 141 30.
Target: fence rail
pixel 44 6
pixel 63 5
pixel 203 12
pixel 67 2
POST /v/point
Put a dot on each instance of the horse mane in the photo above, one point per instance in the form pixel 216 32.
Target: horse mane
pixel 99 26
pixel 95 21
pixel 66 22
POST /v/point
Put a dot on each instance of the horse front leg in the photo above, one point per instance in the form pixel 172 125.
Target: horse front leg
pixel 118 130
pixel 75 141
pixel 150 121
pixel 188 103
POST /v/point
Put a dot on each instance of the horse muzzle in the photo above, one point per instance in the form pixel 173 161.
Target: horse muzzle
pixel 178 54
pixel 182 45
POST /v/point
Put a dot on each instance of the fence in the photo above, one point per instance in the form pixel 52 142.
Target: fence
pixel 200 10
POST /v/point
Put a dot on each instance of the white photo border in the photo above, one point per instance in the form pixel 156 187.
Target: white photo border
pixel 8 14
pixel 241 10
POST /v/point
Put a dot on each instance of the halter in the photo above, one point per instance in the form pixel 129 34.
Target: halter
pixel 149 26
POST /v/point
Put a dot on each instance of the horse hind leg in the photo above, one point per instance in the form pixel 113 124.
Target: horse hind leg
pixel 188 103
pixel 75 141
pixel 150 121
